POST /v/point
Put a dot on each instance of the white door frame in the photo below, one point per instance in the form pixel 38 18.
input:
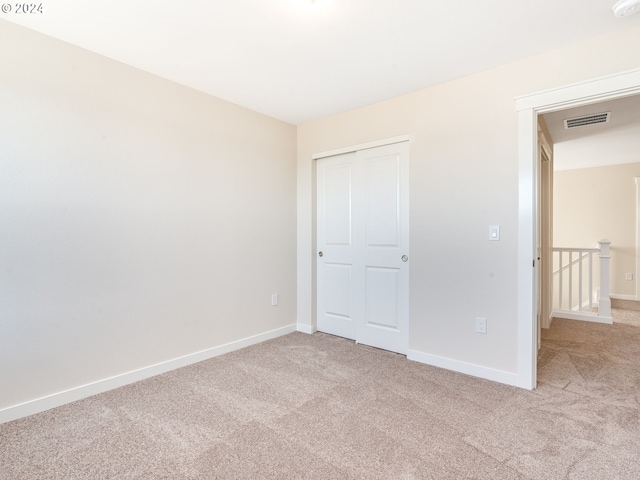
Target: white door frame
pixel 362 146
pixel 637 289
pixel 529 107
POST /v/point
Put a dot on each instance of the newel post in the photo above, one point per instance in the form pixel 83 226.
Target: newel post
pixel 604 302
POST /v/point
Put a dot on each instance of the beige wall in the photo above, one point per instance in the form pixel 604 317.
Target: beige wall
pixel 596 203
pixel 464 177
pixel 140 220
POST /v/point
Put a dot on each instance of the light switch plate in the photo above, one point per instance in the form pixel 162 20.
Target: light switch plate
pixel 481 325
pixel 494 233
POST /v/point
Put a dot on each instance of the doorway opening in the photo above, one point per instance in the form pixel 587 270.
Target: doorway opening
pixel 529 107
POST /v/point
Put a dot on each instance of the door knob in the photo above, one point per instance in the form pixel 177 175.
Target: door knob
pixel 405 258
pixel 320 254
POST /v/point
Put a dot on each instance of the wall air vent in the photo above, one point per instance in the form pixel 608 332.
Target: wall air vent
pixel 585 120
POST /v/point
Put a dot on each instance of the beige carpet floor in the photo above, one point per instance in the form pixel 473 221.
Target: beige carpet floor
pixel 321 407
pixel 628 317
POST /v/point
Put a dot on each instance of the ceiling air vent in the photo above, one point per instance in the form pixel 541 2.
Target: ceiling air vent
pixel 585 120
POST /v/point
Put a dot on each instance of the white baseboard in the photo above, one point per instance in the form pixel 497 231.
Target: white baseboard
pixel 623 297
pixel 304 328
pixel 78 393
pixel 585 317
pixel 487 373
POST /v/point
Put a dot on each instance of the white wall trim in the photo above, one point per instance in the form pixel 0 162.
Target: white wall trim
pixel 637 180
pixel 527 322
pixel 304 328
pixel 529 106
pixel 78 393
pixel 492 374
pixel 618 85
pixel 582 317
pixel 362 146
pixel 623 297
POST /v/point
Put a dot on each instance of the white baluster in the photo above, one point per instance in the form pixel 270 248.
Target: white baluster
pixel 590 282
pixel 570 280
pixel 560 275
pixel 580 282
pixel 604 302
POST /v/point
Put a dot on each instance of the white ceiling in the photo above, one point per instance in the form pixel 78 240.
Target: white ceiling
pixel 612 143
pixel 298 63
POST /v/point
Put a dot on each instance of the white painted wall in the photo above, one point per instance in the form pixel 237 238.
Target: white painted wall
pixel 140 220
pixel 464 177
pixel 596 203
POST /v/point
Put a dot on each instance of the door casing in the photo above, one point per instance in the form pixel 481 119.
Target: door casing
pixel 529 107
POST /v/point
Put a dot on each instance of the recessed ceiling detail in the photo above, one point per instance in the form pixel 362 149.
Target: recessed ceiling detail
pixel 586 120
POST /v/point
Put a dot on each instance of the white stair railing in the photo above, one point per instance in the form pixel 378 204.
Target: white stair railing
pixel 580 284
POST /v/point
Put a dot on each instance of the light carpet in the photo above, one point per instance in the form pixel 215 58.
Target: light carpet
pixel 628 317
pixel 321 407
